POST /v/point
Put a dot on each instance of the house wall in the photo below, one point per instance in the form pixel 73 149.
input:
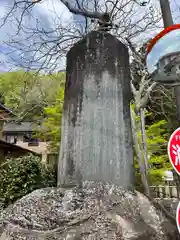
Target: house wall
pixel 10 139
pixel 42 147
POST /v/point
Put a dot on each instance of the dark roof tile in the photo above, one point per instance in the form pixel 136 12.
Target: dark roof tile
pixel 21 127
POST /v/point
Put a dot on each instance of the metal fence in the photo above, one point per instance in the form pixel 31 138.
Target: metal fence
pixel 165 191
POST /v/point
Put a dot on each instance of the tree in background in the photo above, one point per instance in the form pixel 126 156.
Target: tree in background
pixel 163 106
pixel 43 47
pixel 52 122
pixel 161 101
pixel 150 133
pixel 157 138
pixel 36 98
pixel 27 94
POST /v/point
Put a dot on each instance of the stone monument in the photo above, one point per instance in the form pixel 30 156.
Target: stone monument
pixel 96 141
pixel 96 145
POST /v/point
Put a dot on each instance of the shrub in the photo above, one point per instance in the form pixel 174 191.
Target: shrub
pixel 20 176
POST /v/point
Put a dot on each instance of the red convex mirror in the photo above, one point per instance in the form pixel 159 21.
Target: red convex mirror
pixel 163 56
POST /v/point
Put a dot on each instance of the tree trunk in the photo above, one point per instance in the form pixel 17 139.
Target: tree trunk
pixel 144 141
pixel 139 155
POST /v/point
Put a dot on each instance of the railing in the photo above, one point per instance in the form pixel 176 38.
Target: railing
pixel 166 191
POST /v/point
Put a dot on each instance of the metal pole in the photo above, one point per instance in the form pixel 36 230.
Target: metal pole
pixel 168 21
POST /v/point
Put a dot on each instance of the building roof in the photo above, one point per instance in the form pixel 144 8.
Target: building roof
pixel 14 149
pixel 6 109
pixel 21 127
pixel 172 63
pixel 177 53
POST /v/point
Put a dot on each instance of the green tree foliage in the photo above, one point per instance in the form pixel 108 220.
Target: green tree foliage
pixel 21 176
pixel 28 93
pixel 160 118
pixel 36 97
pixel 157 138
pixel 52 123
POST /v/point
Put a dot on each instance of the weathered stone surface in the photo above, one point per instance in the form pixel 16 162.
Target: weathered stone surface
pixel 95 212
pixel 170 204
pixel 96 138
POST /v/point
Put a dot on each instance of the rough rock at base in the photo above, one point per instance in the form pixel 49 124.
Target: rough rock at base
pixel 96 212
pixel 170 204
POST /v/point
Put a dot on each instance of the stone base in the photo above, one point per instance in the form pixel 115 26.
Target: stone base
pixel 95 212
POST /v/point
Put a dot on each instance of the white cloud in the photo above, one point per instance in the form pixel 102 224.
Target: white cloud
pixel 55 11
pixel 49 14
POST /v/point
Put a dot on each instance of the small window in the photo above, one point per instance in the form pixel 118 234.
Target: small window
pixel 8 139
pixel 11 139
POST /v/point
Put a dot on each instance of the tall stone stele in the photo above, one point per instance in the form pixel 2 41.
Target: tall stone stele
pixel 96 137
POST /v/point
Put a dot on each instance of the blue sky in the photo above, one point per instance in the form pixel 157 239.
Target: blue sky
pixel 47 15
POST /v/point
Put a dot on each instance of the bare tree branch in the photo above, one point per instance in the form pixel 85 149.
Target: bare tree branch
pixel 79 11
pixel 47 46
pixel 145 99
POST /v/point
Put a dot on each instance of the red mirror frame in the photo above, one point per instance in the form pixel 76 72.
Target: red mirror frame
pixel 159 36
